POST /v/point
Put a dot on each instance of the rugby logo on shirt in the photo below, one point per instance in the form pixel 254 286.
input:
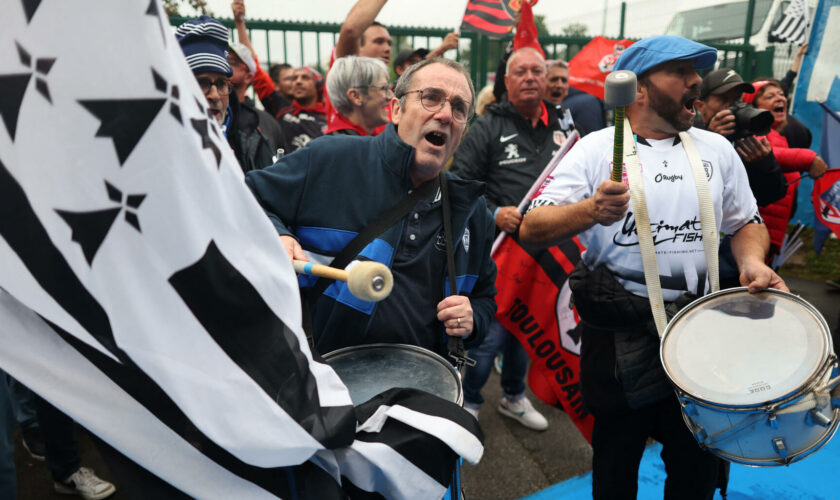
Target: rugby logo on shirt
pixel 707 167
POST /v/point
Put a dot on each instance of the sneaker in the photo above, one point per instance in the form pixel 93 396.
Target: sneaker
pixel 85 483
pixel 497 363
pixel 834 283
pixel 523 412
pixel 472 411
pixel 33 443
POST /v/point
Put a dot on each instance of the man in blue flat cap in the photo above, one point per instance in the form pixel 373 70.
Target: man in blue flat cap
pixel 622 379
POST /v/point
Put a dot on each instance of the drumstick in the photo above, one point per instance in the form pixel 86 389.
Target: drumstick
pixel 367 280
pixel 619 91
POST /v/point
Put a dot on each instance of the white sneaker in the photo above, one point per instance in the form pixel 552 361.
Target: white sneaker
pixel 523 412
pixel 472 411
pixel 85 483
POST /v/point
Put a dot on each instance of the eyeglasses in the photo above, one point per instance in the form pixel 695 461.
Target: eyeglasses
pixel 222 85
pixel 385 87
pixel 434 99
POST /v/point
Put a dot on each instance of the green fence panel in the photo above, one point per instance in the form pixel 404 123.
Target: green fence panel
pixel 478 53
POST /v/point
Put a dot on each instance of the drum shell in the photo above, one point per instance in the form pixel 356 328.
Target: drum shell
pixel 370 369
pixel 749 434
pixel 753 443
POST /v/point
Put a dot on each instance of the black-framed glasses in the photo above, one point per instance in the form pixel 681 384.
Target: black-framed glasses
pixel 222 85
pixel 385 87
pixel 433 100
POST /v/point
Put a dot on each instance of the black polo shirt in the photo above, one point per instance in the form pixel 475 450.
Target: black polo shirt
pixel 409 314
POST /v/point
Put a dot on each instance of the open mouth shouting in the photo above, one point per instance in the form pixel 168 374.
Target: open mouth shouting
pixel 436 139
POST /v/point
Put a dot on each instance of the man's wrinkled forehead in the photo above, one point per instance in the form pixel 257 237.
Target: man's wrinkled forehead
pixel 430 78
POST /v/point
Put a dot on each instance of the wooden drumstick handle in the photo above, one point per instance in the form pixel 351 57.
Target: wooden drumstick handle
pixel 618 144
pixel 303 267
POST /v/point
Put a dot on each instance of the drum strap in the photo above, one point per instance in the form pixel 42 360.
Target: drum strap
pixel 454 345
pixel 646 245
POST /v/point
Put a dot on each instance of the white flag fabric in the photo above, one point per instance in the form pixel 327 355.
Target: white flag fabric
pixel 793 26
pixel 146 293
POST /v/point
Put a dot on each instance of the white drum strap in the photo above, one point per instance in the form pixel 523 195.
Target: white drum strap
pixel 708 224
pixel 640 214
pixel 642 218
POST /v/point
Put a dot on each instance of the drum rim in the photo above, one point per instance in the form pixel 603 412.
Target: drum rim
pixel 404 347
pixel 812 377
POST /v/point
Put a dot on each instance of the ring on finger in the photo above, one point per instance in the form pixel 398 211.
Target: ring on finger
pixel 459 322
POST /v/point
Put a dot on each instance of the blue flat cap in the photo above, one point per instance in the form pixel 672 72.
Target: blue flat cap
pixel 649 52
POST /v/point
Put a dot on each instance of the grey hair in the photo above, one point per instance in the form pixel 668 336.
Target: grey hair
pixel 557 63
pixel 523 49
pixel 404 83
pixel 351 72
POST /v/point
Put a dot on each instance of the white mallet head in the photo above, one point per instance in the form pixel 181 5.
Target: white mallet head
pixel 370 281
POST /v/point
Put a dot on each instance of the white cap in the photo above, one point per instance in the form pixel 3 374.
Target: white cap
pixel 245 54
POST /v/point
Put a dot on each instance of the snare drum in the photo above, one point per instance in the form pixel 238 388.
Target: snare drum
pixel 753 374
pixel 368 370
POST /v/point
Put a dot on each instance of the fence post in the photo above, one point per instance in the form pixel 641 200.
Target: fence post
pixel 621 27
pixel 747 60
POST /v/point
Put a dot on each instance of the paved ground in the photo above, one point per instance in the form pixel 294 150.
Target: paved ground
pixel 517 461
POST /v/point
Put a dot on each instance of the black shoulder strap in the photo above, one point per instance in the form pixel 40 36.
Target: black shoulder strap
pixel 454 345
pixel 377 227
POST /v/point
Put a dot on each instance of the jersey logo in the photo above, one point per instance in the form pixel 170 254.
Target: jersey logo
pixel 505 138
pixel 707 167
pixel 512 151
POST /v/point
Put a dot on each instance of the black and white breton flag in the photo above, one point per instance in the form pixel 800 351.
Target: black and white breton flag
pixel 145 293
pixel 793 26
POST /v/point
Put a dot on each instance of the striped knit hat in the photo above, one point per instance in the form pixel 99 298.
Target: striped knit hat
pixel 205 43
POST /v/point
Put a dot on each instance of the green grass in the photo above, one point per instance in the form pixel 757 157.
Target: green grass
pixel 808 265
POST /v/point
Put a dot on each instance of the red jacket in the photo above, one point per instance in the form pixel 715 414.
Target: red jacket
pixel 793 161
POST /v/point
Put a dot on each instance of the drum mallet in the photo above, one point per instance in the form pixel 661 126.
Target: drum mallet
pixel 619 91
pixel 366 280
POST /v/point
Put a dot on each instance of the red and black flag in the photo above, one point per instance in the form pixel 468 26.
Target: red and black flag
pixel 493 18
pixel 534 304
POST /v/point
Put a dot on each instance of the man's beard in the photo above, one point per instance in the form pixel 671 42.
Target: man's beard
pixel 669 109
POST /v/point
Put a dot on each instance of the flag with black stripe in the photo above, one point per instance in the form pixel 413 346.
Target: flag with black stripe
pixel 793 26
pixel 144 292
pixel 492 18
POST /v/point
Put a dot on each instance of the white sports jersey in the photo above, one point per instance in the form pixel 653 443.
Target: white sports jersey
pixel 672 204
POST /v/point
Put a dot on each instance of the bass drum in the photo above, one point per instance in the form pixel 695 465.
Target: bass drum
pixel 753 374
pixel 368 370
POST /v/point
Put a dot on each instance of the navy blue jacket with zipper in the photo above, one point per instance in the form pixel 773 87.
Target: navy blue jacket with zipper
pixel 327 192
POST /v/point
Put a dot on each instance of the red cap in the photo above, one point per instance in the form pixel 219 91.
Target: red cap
pixel 750 96
pixel 526 32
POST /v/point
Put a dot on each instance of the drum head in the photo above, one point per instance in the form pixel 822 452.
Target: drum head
pixel 368 370
pixel 740 349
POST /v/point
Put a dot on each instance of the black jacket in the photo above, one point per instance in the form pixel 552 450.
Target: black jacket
pixel 504 151
pixel 249 144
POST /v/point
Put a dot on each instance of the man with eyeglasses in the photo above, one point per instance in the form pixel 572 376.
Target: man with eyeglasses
pixel 507 148
pixel 322 196
pixel 204 42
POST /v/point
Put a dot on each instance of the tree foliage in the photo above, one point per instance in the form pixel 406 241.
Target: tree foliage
pixel 172 7
pixel 575 29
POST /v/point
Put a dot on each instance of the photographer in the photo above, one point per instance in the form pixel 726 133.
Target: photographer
pixel 723 112
pixel 720 100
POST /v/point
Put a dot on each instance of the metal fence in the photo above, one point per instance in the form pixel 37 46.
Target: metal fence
pixel 309 43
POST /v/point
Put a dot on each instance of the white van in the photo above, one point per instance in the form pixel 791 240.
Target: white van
pixel 725 23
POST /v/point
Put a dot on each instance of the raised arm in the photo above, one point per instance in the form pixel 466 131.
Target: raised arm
pixel 358 19
pixel 450 41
